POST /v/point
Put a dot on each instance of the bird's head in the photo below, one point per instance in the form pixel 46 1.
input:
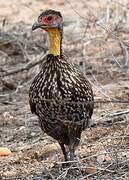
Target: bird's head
pixel 49 19
pixel 52 22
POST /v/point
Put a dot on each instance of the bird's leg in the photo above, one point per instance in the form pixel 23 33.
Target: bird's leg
pixel 72 151
pixel 64 151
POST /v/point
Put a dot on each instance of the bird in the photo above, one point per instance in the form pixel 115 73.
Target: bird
pixel 60 95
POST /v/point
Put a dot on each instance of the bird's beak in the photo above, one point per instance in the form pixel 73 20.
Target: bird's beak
pixel 36 25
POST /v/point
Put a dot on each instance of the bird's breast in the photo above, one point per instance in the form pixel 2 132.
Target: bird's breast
pixel 60 93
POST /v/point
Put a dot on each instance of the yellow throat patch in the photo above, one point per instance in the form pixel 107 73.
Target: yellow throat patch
pixel 54 41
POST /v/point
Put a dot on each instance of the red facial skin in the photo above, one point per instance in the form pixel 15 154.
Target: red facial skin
pixel 45 21
pixel 49 20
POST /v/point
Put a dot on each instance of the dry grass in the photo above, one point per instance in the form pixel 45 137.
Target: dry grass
pixel 98 44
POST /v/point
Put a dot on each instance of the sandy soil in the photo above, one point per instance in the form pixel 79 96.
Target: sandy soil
pixel 96 40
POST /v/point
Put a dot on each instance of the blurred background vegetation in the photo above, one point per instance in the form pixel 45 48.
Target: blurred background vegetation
pixel 96 39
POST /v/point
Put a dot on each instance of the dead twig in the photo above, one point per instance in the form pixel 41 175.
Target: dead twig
pixel 64 174
pixel 98 23
pixel 118 113
pixel 125 54
pixel 27 67
pixel 109 121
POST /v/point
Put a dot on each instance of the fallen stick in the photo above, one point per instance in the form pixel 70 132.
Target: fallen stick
pixel 108 120
pixel 27 67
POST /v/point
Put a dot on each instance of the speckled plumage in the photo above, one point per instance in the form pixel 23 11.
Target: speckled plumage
pixel 62 98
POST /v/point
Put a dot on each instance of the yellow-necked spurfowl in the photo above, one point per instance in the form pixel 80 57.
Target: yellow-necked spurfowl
pixel 60 95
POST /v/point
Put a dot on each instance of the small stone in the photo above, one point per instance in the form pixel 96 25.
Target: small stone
pixel 90 170
pixel 109 140
pixel 9 173
pixel 4 151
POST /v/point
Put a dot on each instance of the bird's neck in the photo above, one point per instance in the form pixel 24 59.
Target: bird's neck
pixel 55 41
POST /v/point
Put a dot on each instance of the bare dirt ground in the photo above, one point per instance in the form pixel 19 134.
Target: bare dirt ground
pixel 96 40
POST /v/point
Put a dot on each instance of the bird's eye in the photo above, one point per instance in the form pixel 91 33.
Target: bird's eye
pixel 49 18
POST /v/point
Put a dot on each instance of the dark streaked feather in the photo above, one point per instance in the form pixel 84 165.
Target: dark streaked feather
pixel 62 98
